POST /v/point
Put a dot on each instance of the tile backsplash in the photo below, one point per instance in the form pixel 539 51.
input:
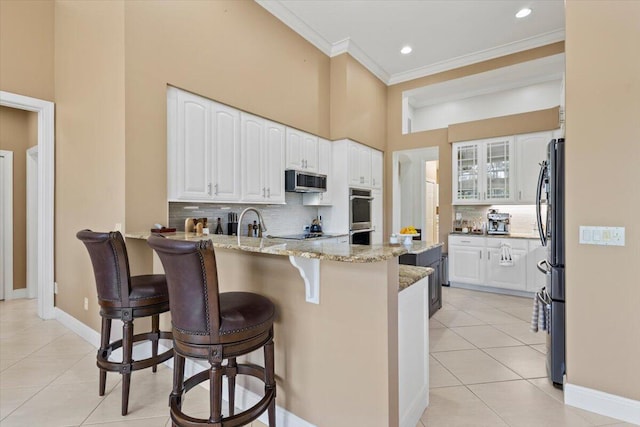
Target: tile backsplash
pixel 279 219
pixel 523 217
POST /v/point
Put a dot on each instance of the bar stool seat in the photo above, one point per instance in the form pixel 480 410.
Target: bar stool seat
pixel 216 327
pixel 125 297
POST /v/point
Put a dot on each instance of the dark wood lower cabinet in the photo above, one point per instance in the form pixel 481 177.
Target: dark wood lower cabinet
pixel 429 258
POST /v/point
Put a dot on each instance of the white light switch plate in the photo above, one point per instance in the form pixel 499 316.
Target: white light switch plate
pixel 605 236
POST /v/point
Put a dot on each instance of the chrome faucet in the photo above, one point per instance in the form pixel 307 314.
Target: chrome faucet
pixel 260 221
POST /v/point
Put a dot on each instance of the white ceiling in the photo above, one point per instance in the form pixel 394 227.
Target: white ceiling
pixel 444 34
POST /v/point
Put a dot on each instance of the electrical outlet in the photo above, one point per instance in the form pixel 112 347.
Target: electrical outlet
pixel 86 304
pixel 118 227
pixel 55 288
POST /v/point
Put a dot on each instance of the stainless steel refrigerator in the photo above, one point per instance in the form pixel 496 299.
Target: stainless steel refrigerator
pixel 551 193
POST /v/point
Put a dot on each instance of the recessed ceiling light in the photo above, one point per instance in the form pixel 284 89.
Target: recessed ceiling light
pixel 523 12
pixel 406 50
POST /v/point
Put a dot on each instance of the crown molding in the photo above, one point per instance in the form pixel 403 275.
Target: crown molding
pixel 292 21
pixel 349 46
pixel 484 55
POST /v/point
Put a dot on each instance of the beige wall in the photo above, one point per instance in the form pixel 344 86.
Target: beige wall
pixel 233 52
pixel 16 135
pixel 90 141
pixel 358 103
pixel 26 47
pixel 602 157
pixel 439 137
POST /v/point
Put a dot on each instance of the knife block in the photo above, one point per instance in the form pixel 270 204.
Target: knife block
pixel 232 228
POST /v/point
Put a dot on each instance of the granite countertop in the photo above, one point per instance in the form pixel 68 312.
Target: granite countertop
pixel 498 236
pixel 418 247
pixel 312 248
pixel 410 274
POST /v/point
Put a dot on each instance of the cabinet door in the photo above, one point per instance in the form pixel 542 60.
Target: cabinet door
pixel 274 159
pixel 354 164
pixel 325 160
pixel 376 169
pixel 535 278
pixel 531 150
pixel 507 276
pixel 499 182
pixel 294 144
pixel 226 153
pixel 192 171
pixel 377 217
pixel 365 166
pixel 466 264
pixel 252 135
pixel 310 152
pixel 466 173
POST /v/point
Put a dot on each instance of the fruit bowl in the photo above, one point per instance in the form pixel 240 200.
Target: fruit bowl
pixel 408 238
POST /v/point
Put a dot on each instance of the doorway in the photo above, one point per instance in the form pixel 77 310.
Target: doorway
pixel 6 232
pixel 45 196
pixel 415 191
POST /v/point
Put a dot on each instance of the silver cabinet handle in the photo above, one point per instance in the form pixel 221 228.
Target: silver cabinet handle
pixel 480 254
pixel 216 192
pixel 465 241
pixel 488 254
pixel 264 192
pixel 520 196
pixel 209 188
pixel 269 192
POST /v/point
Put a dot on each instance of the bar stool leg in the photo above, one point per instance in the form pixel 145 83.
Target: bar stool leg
pixel 127 358
pixel 105 337
pixel 269 380
pixel 215 392
pixel 178 378
pixel 155 329
pixel 231 376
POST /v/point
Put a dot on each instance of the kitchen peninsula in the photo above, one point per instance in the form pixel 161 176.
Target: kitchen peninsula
pixel 336 356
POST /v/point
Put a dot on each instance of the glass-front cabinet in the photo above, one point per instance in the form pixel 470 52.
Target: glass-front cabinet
pixel 482 171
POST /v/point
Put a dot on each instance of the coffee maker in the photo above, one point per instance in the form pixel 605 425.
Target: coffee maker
pixel 498 222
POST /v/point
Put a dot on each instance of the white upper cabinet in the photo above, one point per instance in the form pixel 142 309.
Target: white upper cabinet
pixel 531 150
pixel 262 160
pixel 226 152
pixel 302 150
pixel 274 158
pixel 376 169
pixel 483 171
pixel 190 156
pixel 360 165
pixel 325 161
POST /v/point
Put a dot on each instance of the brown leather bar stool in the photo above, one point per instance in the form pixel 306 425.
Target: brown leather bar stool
pixel 126 298
pixel 214 326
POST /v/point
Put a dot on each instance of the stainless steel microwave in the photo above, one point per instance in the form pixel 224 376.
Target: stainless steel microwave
pixel 304 182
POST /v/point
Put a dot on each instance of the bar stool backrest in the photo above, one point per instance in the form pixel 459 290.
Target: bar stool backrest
pixel 108 255
pixel 192 280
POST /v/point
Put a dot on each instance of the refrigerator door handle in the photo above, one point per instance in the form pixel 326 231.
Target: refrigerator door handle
pixel 541 177
pixel 543 266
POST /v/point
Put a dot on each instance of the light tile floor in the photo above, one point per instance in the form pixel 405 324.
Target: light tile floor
pixel 49 378
pixel 486 369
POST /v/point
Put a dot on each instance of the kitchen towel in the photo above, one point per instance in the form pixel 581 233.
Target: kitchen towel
pixel 541 316
pixel 506 259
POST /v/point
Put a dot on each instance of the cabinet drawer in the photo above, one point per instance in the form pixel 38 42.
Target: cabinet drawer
pixel 495 242
pixel 466 240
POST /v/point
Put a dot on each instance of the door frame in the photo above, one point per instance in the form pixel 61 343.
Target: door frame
pixel 46 188
pixel 32 222
pixel 7 225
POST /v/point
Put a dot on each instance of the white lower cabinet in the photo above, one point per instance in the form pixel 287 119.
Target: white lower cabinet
pixel 480 261
pixel 535 278
pixel 510 273
pixel 466 263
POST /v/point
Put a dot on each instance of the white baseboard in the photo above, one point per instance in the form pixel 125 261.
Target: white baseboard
pixel 15 293
pixel 602 403
pixel 244 398
pixel 419 403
